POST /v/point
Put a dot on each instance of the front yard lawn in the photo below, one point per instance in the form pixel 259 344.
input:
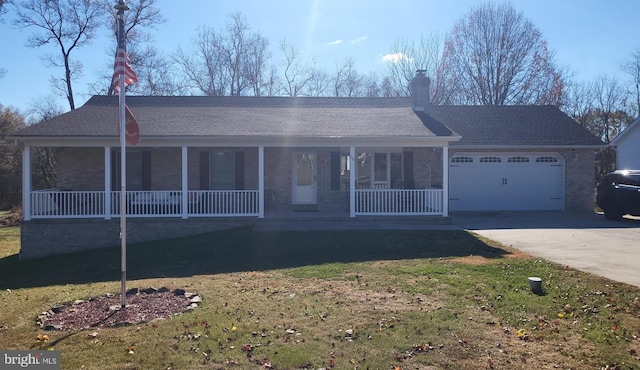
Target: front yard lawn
pixel 329 299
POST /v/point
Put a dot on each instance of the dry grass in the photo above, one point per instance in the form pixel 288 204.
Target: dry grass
pixel 373 299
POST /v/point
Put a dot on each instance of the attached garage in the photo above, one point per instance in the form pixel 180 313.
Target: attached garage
pixel 494 181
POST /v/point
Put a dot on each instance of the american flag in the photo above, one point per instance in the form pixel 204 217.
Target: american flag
pixel 122 64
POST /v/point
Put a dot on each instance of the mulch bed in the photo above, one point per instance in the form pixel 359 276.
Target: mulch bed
pixel 142 305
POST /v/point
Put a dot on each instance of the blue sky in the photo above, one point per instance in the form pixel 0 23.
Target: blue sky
pixel 590 37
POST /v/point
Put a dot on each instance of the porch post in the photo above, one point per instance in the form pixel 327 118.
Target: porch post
pixel 445 181
pixel 260 182
pixel 352 181
pixel 107 182
pixel 26 183
pixel 185 184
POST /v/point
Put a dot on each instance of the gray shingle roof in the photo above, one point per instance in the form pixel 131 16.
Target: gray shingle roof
pixel 240 116
pixel 189 116
pixel 513 125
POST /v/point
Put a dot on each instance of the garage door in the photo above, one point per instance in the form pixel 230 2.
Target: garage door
pixel 506 181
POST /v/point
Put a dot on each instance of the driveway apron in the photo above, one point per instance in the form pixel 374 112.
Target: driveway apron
pixel 584 241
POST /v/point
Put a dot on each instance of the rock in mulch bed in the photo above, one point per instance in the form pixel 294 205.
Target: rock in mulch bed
pixel 142 305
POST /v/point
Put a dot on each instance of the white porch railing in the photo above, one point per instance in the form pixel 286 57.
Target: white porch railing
pixel 218 203
pixel 67 204
pixel 91 204
pixel 163 203
pixel 224 203
pixel 399 202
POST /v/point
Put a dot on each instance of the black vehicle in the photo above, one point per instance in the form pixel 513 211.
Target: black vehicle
pixel 619 194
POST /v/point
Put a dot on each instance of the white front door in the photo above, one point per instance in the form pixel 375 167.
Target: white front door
pixel 303 179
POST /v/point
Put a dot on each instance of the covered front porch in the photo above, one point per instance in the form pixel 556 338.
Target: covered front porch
pixel 243 181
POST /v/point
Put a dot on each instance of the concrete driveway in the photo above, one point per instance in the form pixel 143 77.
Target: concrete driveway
pixel 585 241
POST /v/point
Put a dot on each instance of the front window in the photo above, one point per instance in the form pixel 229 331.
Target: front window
pixel 379 170
pixel 222 174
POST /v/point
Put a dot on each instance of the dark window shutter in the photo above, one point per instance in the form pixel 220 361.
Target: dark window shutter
pixel 146 170
pixel 239 171
pixel 115 176
pixel 335 170
pixel 204 170
pixel 407 170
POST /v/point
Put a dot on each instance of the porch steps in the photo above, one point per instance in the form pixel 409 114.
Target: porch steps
pixel 305 208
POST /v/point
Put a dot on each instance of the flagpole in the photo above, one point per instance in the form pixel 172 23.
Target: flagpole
pixel 121 7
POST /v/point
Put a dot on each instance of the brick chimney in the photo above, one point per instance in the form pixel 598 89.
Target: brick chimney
pixel 420 95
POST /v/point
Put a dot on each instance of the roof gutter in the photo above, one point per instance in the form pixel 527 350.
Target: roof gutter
pixel 229 141
pixel 522 147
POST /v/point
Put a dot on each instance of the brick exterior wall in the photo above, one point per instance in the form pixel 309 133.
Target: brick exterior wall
pixel 427 167
pixel 80 169
pixel 277 178
pixel 166 172
pixel 579 180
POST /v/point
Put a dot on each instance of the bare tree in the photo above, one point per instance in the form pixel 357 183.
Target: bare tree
pixel 406 57
pixel 387 89
pixel 501 58
pixel 156 74
pixel 580 102
pixel 632 68
pixel 297 75
pixel 318 83
pixel 239 45
pixel 141 16
pixel 229 62
pixel 255 69
pixel 202 66
pixel 610 103
pixel 272 83
pixel 347 82
pixel 68 24
pixel 43 159
pixel 3 11
pixel 601 108
pixel 371 85
pixel 10 167
pixel 3 8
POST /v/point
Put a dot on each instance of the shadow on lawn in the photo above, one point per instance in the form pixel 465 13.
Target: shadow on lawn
pixel 240 250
